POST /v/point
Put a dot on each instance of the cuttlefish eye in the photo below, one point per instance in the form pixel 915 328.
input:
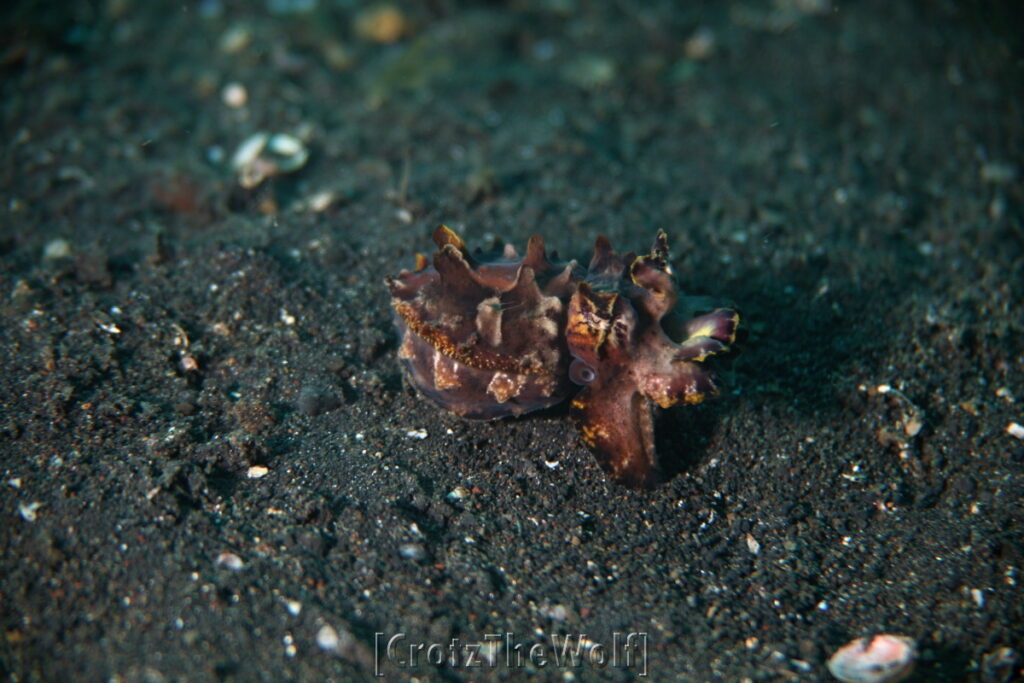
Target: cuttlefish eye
pixel 581 373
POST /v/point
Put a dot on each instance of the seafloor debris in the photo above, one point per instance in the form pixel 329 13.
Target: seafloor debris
pixel 877 659
pixel 264 155
pixel 230 561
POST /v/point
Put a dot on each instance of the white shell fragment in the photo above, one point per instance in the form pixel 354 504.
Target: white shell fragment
pixel 264 155
pixel 458 493
pixel 230 561
pixel 28 510
pixel 56 249
pixel 257 472
pixel 878 659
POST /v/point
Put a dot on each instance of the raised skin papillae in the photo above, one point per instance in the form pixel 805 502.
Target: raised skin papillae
pixel 491 337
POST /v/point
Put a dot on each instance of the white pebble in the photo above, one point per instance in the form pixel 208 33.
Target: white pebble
pixel 257 472
pixel 230 561
pixel 321 201
pixel 234 95
pixel 556 613
pixel 327 638
pixel 331 640
pixel 1016 430
pixel 56 249
pixel 753 545
pixel 412 551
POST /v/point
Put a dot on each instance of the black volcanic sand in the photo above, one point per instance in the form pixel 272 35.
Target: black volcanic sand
pixel 848 175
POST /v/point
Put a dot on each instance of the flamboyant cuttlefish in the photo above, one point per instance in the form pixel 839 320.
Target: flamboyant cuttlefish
pixel 491 335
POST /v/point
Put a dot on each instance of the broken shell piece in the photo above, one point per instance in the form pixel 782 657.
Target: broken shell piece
pixel 264 155
pixel 1015 430
pixel 230 561
pixel 878 659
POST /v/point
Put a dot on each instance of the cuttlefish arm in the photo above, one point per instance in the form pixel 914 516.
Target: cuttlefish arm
pixel 627 364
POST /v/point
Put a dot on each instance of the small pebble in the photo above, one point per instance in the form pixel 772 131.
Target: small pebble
pixel 556 613
pixel 331 640
pixel 384 24
pixel 257 472
pixel 320 201
pixel 753 545
pixel 234 95
pixel 235 39
pixel 56 249
pixel 327 638
pixel 412 551
pixel 700 45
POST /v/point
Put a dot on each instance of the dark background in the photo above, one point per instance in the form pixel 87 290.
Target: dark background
pixel 848 173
